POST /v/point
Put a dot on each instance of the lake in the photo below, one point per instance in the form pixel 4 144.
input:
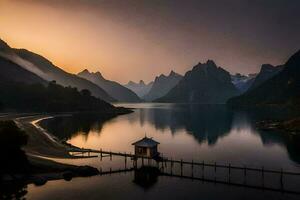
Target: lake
pixel 210 133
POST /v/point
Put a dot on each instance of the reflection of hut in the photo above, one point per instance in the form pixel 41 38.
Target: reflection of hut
pixel 146 177
pixel 146 147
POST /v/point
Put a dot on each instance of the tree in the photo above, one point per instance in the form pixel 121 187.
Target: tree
pixel 12 139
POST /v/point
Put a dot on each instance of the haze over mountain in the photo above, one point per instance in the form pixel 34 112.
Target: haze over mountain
pixel 9 54
pixel 280 90
pixel 140 88
pixel 205 83
pixel 21 89
pixel 10 71
pixel 113 88
pixel 243 82
pixel 162 85
pixel 46 70
pixel 60 76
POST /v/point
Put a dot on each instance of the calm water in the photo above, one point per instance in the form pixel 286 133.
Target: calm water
pixel 209 133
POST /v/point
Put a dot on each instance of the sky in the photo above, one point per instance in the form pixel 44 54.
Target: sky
pixel 140 39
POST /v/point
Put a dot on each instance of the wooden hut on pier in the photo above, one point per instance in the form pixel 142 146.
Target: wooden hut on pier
pixel 146 147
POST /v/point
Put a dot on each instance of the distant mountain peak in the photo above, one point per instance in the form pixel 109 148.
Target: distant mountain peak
pixel 162 76
pixel 162 85
pixel 116 90
pixel 142 82
pixel 211 63
pixel 294 60
pixel 85 71
pixel 95 74
pixel 98 73
pixel 3 45
pixel 173 73
pixel 279 87
pixel 266 67
pixel 205 83
pixel 131 83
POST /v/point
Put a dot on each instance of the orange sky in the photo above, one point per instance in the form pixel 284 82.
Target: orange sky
pixel 125 45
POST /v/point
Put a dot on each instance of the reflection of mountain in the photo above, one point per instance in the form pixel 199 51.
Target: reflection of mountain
pixel 65 127
pixel 208 123
pixel 247 119
pixel 204 122
pixel 291 142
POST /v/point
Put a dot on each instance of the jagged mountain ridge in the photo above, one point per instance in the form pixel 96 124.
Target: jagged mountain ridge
pixel 280 90
pixel 205 83
pixel 162 85
pixel 113 88
pixel 43 68
pixel 60 76
pixel 267 71
pixel 141 88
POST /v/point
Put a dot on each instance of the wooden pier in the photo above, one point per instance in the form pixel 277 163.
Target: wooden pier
pixel 166 166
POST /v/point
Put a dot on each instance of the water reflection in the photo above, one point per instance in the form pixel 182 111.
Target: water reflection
pixel 146 176
pixel 207 124
pixel 68 126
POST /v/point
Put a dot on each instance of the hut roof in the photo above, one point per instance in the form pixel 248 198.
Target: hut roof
pixel 146 142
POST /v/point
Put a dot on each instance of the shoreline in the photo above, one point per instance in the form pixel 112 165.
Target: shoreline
pixel 41 150
pixel 290 126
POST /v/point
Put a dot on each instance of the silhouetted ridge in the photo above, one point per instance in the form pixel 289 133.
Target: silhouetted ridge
pixel 162 85
pixel 113 88
pixel 60 76
pixel 267 71
pixel 3 45
pixel 294 61
pixel 280 90
pixel 205 83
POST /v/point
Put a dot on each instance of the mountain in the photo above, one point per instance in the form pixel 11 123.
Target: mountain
pixel 267 71
pixel 52 72
pixel 114 89
pixel 49 98
pixel 141 89
pixel 162 85
pixel 9 54
pixel 205 83
pixel 280 90
pixel 243 82
pixel 43 68
pixel 9 71
pixel 22 89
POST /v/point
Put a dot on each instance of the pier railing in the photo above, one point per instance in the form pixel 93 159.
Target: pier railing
pixel 166 166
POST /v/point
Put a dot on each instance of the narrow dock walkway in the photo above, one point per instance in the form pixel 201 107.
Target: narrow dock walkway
pixel 166 165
